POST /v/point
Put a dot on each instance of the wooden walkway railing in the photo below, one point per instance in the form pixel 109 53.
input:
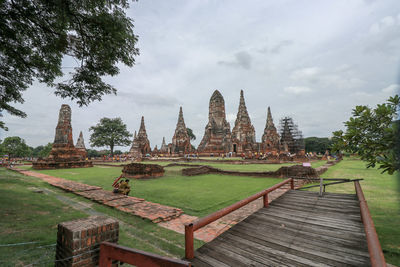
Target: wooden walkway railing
pixel 110 252
pixel 374 247
pixel 199 223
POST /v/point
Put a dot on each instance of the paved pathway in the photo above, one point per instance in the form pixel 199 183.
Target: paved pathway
pixel 136 206
pixel 167 217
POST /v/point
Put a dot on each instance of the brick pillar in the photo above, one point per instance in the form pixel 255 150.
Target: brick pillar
pixel 78 242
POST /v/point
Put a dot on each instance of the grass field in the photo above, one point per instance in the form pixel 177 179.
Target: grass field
pixel 27 216
pixel 200 195
pixel 382 194
pixel 196 195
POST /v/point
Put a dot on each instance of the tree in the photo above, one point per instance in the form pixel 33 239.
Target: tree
pixel 35 36
pixel 111 133
pixel 190 133
pixel 15 147
pixel 373 134
pixel 45 151
pixel 317 144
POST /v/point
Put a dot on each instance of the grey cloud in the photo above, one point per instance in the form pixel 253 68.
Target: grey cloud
pixel 150 99
pixel 278 48
pixel 242 59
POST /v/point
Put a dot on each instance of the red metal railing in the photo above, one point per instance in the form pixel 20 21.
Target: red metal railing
pixel 374 247
pixel 111 251
pixel 199 223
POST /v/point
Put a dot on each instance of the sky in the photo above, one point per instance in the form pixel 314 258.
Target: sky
pixel 311 60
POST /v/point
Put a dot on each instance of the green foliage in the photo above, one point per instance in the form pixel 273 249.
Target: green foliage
pixel 190 133
pixel 372 134
pixel 117 152
pixel 317 144
pixel 42 151
pixel 111 133
pixel 36 36
pixel 15 147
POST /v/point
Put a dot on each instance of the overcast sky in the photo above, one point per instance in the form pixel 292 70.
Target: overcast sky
pixel 312 60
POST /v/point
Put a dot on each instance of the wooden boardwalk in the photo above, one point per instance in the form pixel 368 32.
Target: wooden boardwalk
pixel 297 229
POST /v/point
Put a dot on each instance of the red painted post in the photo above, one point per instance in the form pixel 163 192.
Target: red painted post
pixel 104 260
pixel 292 184
pixel 189 236
pixel 265 200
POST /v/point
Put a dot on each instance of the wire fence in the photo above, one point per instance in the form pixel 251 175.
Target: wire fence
pixel 44 255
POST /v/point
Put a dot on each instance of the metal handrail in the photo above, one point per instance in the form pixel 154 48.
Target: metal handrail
pixel 374 247
pixel 199 223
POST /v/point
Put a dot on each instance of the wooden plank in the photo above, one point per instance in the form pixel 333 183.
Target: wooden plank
pixel 263 254
pixel 336 213
pixel 334 241
pixel 290 248
pixel 305 227
pixel 297 229
pixel 315 241
pixel 310 220
pixel 314 216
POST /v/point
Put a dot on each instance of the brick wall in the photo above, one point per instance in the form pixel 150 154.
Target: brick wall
pixel 78 241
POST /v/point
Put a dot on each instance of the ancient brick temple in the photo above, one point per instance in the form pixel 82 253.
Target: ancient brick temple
pixel 80 145
pixel 217 135
pixel 291 137
pixel 181 140
pixel 243 133
pixel 164 147
pixel 270 140
pixel 63 153
pixel 141 144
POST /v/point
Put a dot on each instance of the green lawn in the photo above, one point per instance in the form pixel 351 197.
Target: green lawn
pixel 27 216
pixel 196 195
pixel 382 194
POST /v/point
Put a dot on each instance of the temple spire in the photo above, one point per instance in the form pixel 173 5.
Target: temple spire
pixel 80 143
pixel 270 122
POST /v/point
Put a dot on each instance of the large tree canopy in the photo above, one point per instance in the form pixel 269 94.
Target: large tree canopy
pixel 15 146
pixel 35 36
pixel 111 133
pixel 317 144
pixel 373 134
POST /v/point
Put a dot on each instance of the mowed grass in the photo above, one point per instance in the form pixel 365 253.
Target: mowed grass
pixel 27 216
pixel 382 194
pixel 196 195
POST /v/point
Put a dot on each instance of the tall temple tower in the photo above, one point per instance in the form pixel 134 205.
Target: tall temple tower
pixel 270 139
pixel 63 153
pixel 291 137
pixel 141 144
pixel 243 134
pixel 181 140
pixel 217 135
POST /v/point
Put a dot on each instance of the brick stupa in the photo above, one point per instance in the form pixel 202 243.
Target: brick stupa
pixel 164 147
pixel 63 153
pixel 80 145
pixel 243 133
pixel 181 140
pixel 270 139
pixel 217 135
pixel 141 144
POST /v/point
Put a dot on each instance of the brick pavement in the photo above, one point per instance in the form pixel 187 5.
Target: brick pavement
pixel 133 205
